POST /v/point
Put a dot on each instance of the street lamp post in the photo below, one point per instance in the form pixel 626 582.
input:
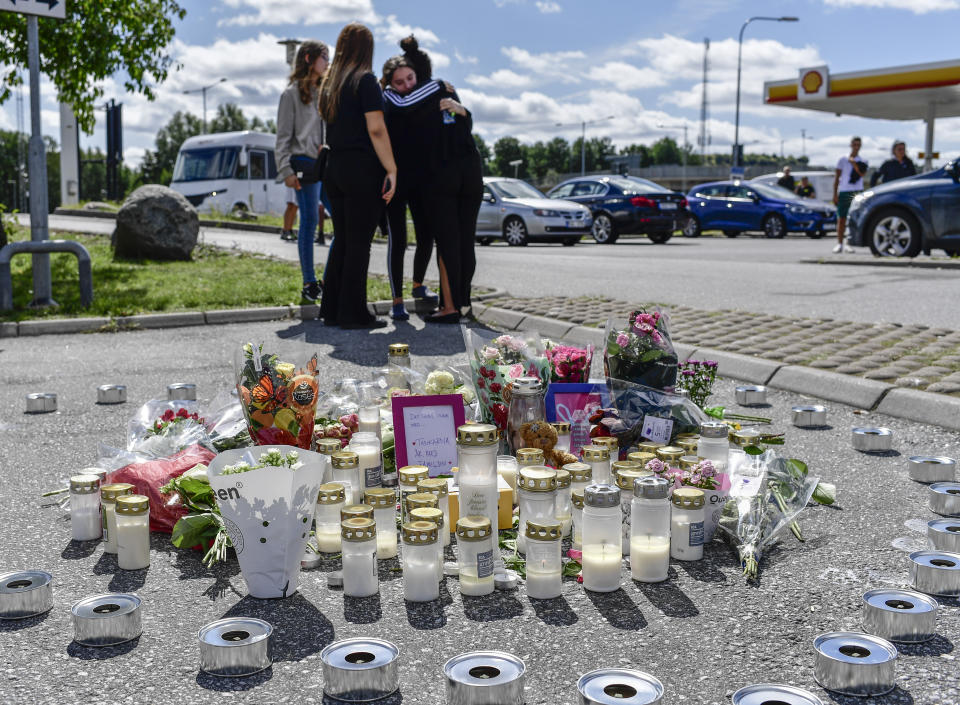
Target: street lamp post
pixel 516 163
pixel 683 151
pixel 736 127
pixel 203 90
pixel 583 139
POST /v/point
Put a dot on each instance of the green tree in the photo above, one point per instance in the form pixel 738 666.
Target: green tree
pixel 642 150
pixel 537 158
pixel 506 150
pixel 484 151
pixel 93 176
pixel 98 39
pixel 597 151
pixel 558 155
pixel 9 166
pixel 157 166
pixel 229 118
pixel 666 151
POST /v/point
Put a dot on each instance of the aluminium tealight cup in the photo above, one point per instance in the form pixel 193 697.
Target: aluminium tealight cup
pixel 751 395
pixel 872 440
pixel 360 670
pixel 767 693
pixel 41 402
pixel 25 593
pixel 182 391
pixel 902 616
pixel 111 394
pixel 236 647
pixel 935 573
pixel 488 677
pixel 929 469
pixel 610 686
pixel 944 535
pixel 852 663
pixel 106 620
pixel 944 498
pixel 809 416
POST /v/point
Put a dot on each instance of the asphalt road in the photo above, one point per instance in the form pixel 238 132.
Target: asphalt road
pixel 749 273
pixel 704 632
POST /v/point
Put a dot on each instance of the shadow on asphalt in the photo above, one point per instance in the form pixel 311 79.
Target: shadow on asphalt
pixel 499 604
pixel 394 699
pixel 16 625
pixel 897 696
pixel 78 550
pixel 362 610
pixel 618 609
pixel 300 629
pixel 100 653
pixel 226 685
pixel 555 612
pixel 937 646
pixel 668 598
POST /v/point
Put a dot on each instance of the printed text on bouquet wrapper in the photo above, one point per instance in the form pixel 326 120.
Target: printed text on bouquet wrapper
pixel 429 437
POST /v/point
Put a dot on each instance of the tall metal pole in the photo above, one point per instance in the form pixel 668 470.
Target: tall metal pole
pixel 204 110
pixel 42 287
pixel 583 148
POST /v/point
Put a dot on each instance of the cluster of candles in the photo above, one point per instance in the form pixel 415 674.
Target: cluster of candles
pixel 114 513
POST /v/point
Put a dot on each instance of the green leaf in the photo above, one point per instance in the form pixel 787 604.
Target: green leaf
pixel 194 530
pixel 571 569
pixel 753 450
pixel 198 491
pixel 825 493
pixel 714 411
pixel 797 468
pixel 651 355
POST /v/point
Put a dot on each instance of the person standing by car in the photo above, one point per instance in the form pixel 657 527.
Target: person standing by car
pixel 300 134
pixel 787 181
pixel 361 175
pixel 805 189
pixel 847 183
pixel 899 167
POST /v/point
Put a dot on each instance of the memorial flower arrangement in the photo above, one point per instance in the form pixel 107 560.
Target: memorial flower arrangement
pixel 568 364
pixel 170 418
pixel 342 428
pixel 641 352
pixel 696 377
pixel 703 475
pixel 272 458
pixel 202 526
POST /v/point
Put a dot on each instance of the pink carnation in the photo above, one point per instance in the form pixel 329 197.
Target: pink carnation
pixel 622 339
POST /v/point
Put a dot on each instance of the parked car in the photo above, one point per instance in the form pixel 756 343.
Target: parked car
pixel 822 182
pixel 229 172
pixel 622 205
pixel 736 207
pixel 907 216
pixel 517 212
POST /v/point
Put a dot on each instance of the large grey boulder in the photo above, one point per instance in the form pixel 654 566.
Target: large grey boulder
pixel 155 222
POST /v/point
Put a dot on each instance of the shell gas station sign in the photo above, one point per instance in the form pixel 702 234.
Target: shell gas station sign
pixel 814 83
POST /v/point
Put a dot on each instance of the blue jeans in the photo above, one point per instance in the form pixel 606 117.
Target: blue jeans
pixel 308 201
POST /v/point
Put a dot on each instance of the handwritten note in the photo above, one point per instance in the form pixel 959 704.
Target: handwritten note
pixel 427 435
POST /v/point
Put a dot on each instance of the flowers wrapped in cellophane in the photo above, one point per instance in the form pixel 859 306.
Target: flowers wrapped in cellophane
pixel 641 351
pixel 279 399
pixel 568 363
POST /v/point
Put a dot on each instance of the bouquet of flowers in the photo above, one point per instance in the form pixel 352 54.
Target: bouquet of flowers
pixel 636 406
pixel 279 400
pixel 568 364
pixel 696 378
pixel 703 476
pixel 641 351
pixel 496 363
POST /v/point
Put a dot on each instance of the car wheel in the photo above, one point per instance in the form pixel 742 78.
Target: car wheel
pixel 894 233
pixel 515 232
pixel 774 226
pixel 239 210
pixel 815 234
pixel 604 231
pixel 691 226
pixel 732 233
pixel 659 238
pixel 571 241
pixel 485 241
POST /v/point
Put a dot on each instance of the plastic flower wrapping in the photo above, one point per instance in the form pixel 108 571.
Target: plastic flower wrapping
pixel 641 351
pixel 568 364
pixel 279 399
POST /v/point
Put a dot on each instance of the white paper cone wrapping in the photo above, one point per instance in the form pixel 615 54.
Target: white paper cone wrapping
pixel 268 514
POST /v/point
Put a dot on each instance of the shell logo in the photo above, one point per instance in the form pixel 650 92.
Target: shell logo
pixel 812 82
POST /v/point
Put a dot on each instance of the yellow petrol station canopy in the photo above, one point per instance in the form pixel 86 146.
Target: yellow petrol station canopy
pixel 917 92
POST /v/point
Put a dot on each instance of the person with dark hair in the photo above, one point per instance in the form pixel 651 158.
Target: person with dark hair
pixel 361 176
pixel 786 180
pixel 300 136
pixel 847 183
pixel 899 167
pixel 438 138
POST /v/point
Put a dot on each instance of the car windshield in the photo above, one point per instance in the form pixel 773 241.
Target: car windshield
pixel 777 192
pixel 205 164
pixel 647 186
pixel 515 189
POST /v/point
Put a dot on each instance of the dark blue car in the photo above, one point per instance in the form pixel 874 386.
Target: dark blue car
pixel 738 206
pixel 907 216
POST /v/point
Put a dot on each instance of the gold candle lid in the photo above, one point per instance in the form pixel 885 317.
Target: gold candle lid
pixel 84 484
pixel 544 530
pixel 690 445
pixel 563 428
pixel 579 472
pixel 345 460
pixel 627 477
pixel 619 465
pixel 745 437
pixel 688 498
pixel 380 498
pixel 670 454
pixel 133 504
pixel 473 528
pixel 412 474
pixel 563 479
pixel 109 493
pixel 641 456
pixel 537 478
pixel 364 511
pixel 331 493
pixel 428 514
pixel 595 454
pixel 649 446
pixel 478 434
pixel 529 456
pixel 329 446
pixel 422 499
pixel 682 436
pixel 420 533
pixel 576 497
pixel 689 461
pixel 358 529
pixel 398 349
pixel 610 443
pixel 436 486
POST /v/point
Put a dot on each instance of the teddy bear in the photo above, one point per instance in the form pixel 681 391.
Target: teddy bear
pixel 540 434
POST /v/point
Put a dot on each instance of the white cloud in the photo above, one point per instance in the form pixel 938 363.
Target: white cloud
pixel 626 76
pixel 464 59
pixel 283 12
pixel 557 65
pixel 548 7
pixel 918 7
pixel 502 78
pixel 394 31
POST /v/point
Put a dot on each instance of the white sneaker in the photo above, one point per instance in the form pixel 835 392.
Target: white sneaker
pixel 837 249
pixel 847 248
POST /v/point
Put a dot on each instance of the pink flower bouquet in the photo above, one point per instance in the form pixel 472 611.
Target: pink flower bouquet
pixel 569 364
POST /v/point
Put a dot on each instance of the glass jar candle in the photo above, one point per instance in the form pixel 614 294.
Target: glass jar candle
pixel 602 545
pixel 475 555
pixel 611 444
pixel 626 479
pixel 598 458
pixel 477 477
pixel 581 475
pixel 713 443
pixel 576 529
pixel 346 471
pixel 420 562
pixel 650 530
pixel 108 516
pixel 526 406
pixel 384 503
pixel 537 486
pixel 544 578
pixel 409 476
pixel 368 421
pixel 563 511
pixel 649 446
pixel 356 511
pixel 641 457
pixel 437 486
pixel 398 356
pixel 419 500
pixel 85 522
pixel 327 447
pixel 686 524
pixel 670 455
pixel 618 466
pixel 434 515
pixel 689 444
pixel 133 532
pixel 369 458
pixel 358 537
pixel 507 467
pixel 563 436
pixel 330 500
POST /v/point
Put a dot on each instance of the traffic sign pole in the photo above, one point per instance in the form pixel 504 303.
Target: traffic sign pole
pixel 42 286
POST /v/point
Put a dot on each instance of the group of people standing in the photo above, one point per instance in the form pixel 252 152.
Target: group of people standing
pixel 375 147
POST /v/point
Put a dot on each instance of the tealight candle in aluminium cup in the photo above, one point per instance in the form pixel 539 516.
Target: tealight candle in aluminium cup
pixel 182 391
pixel 111 394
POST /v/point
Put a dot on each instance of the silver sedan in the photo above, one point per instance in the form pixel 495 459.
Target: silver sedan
pixel 517 212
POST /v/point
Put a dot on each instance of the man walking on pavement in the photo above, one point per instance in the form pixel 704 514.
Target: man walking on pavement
pixel 847 183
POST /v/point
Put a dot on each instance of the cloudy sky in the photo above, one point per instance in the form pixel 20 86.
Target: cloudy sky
pixel 523 66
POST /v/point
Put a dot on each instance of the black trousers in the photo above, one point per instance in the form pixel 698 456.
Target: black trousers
pixel 354 181
pixel 457 191
pixel 397 246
